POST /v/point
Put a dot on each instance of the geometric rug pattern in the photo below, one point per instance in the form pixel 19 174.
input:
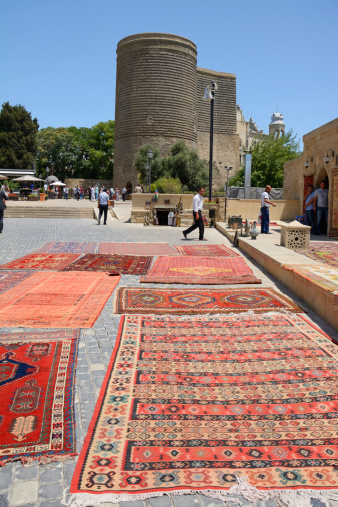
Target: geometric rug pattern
pixel 207 250
pixel 9 279
pixel 124 264
pixel 50 299
pixel 69 247
pixel 324 251
pixel 39 261
pixel 137 249
pixel 200 270
pixel 201 301
pixel 323 276
pixel 192 404
pixel 37 372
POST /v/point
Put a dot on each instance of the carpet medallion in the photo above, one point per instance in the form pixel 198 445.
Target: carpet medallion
pixel 191 404
pixel 137 249
pixel 69 247
pixel 124 264
pixel 9 279
pixel 207 250
pixel 37 373
pixel 181 301
pixel 57 300
pixel 324 251
pixel 39 261
pixel 200 270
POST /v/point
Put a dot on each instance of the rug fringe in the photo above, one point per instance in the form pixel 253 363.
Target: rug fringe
pixel 289 497
pixel 42 460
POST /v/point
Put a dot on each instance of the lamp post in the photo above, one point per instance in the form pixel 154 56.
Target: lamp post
pixel 228 169
pixel 147 175
pixel 149 157
pixel 212 104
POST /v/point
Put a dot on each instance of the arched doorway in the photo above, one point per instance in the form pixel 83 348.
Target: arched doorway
pixel 323 176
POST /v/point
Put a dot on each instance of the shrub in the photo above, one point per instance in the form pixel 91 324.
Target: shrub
pixel 168 185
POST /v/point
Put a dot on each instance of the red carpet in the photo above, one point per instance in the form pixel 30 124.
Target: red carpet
pixel 57 300
pixel 207 250
pixel 201 301
pixel 37 396
pixel 200 270
pixel 124 264
pixel 137 249
pixel 197 404
pixel 39 261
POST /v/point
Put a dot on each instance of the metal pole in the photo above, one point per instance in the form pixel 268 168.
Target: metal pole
pixel 149 174
pixel 211 137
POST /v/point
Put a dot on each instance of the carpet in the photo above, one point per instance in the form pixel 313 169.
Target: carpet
pixel 324 251
pixel 200 270
pixel 193 404
pixel 9 279
pixel 137 249
pixel 201 301
pixel 38 261
pixel 56 300
pixel 325 277
pixel 124 264
pixel 37 373
pixel 207 251
pixel 69 247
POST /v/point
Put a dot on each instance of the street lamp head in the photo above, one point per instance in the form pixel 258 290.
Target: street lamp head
pixel 150 154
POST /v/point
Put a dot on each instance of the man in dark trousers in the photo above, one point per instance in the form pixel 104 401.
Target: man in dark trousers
pixel 103 205
pixel 3 198
pixel 197 205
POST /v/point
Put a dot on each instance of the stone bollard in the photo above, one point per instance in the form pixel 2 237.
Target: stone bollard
pixel 295 235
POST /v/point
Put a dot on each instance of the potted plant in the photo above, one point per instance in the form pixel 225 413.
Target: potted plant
pixel 42 194
pixel 32 197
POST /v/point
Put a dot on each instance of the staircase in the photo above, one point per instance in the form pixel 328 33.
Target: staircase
pixel 51 212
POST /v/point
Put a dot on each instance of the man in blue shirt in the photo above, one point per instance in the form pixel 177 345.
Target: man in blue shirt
pixel 103 205
pixel 309 212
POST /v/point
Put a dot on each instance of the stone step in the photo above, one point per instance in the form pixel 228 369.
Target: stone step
pixel 34 212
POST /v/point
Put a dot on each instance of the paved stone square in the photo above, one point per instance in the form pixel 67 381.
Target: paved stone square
pixel 42 486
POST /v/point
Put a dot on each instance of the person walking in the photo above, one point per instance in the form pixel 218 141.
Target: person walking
pixel 124 191
pixel 65 193
pixel 103 206
pixel 197 204
pixel 321 205
pixel 117 194
pixel 309 213
pixel 265 205
pixel 3 198
pixel 92 194
pixel 96 191
pixel 77 193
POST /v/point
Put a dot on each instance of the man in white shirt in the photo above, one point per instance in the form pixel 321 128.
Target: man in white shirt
pixel 265 205
pixel 103 205
pixel 197 204
pixel 321 205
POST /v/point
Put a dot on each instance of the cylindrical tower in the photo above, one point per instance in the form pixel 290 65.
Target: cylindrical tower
pixel 156 97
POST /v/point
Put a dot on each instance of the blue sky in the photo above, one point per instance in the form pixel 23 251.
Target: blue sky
pixel 58 57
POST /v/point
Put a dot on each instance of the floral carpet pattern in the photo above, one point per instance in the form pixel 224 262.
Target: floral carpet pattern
pixel 37 373
pixel 69 247
pixel 325 277
pixel 201 301
pixel 39 261
pixel 57 300
pixel 194 404
pixel 207 250
pixel 324 251
pixel 137 249
pixel 9 279
pixel 123 264
pixel 200 270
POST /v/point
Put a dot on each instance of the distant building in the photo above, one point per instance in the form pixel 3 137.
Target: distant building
pixel 277 125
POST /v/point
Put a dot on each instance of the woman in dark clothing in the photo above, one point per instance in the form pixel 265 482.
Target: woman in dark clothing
pixel 3 198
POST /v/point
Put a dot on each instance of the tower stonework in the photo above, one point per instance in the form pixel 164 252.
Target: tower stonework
pixel 159 100
pixel 277 125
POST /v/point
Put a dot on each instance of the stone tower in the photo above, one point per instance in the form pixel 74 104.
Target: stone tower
pixel 277 125
pixel 156 94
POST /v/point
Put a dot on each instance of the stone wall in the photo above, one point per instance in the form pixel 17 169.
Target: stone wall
pixel 86 183
pixel 250 208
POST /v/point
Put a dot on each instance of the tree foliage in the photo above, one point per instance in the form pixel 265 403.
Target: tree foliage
pixel 18 137
pixel 182 164
pixel 168 185
pixel 268 158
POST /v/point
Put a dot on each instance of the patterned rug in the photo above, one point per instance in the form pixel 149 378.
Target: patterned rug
pixel 191 404
pixel 324 251
pixel 325 277
pixel 137 249
pixel 39 261
pixel 200 301
pixel 37 373
pixel 207 251
pixel 56 300
pixel 124 264
pixel 69 247
pixel 9 279
pixel 200 270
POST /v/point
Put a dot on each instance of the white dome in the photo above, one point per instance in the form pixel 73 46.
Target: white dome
pixel 277 119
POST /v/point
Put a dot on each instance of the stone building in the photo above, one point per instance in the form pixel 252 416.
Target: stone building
pixel 319 162
pixel 160 100
pixel 277 125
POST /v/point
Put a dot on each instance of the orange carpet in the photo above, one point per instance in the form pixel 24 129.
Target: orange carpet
pixel 54 300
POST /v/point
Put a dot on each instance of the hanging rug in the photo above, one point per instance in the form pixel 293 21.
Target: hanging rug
pixel 37 373
pixel 206 403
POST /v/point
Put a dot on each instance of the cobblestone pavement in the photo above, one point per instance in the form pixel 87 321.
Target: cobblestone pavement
pixel 42 486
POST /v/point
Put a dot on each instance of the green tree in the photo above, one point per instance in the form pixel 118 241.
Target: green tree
pixel 18 137
pixel 268 158
pixel 141 161
pixel 168 185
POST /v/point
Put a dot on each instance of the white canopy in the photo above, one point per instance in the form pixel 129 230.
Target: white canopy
pixel 27 178
pixel 58 184
pixel 2 177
